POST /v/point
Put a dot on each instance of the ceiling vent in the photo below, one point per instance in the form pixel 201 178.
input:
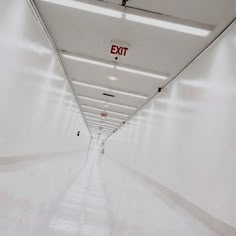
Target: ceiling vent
pixel 108 95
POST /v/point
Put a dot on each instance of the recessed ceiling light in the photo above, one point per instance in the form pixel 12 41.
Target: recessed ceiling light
pixel 110 90
pixel 113 78
pixel 87 7
pixel 139 72
pixel 168 25
pixel 85 60
pixel 109 103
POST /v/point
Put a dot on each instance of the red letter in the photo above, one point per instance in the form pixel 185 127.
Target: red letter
pixel 119 50
pixel 113 48
pixel 126 49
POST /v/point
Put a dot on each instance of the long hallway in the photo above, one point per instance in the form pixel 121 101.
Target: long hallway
pixel 117 118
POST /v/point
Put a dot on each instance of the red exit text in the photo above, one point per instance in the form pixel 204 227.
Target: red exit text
pixel 117 50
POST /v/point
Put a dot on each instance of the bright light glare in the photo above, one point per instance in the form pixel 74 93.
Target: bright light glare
pixel 105 121
pixel 87 7
pixel 117 113
pixel 132 17
pixel 109 90
pixel 109 103
pixel 113 78
pixel 111 112
pixel 92 108
pixel 139 72
pixel 168 25
pixel 85 60
pixel 101 124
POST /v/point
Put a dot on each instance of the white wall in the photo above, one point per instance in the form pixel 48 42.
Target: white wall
pixel 185 138
pixel 39 150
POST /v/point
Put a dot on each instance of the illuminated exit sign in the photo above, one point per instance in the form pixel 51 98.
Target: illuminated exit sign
pixel 119 48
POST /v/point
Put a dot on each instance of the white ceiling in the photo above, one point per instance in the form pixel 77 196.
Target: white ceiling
pixel 151 49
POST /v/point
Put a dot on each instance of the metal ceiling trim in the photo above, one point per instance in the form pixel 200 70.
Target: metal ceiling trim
pixel 38 17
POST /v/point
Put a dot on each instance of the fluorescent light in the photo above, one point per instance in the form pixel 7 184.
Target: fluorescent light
pixel 117 113
pixel 122 106
pixel 111 66
pixel 105 121
pixel 131 17
pixel 87 7
pixel 109 103
pixel 112 118
pixel 85 60
pixel 102 124
pixel 98 127
pixel 106 118
pixel 128 94
pixel 92 114
pixel 91 118
pixel 92 99
pixel 111 112
pixel 107 89
pixel 111 122
pixel 93 108
pixel 103 129
pixel 113 78
pixel 168 25
pixel 89 85
pixel 139 72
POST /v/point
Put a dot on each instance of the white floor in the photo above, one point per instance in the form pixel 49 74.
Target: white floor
pixel 100 199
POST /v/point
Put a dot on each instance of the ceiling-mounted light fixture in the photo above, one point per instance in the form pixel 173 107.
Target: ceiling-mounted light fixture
pixel 140 72
pixel 107 89
pixel 113 78
pixel 89 61
pixel 101 120
pixel 93 108
pixel 109 103
pixel 102 124
pixel 102 63
pixel 112 118
pixel 92 114
pixel 99 116
pixel 161 23
pixel 87 7
pixel 117 113
pixel 98 109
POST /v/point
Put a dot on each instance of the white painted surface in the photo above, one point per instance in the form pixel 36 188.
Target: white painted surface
pixel 152 49
pixel 36 102
pixel 140 208
pixel 185 138
pixel 40 153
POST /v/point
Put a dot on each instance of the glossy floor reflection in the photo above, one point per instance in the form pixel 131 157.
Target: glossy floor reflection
pixel 140 208
pixel 100 198
pixel 83 208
